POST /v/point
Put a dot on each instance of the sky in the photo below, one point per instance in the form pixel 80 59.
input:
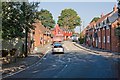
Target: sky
pixel 86 10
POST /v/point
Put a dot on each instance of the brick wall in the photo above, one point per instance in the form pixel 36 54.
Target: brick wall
pixel 108 38
pixel 103 38
pixel 99 38
pixel 115 42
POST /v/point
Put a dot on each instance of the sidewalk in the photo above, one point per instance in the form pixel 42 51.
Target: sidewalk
pixel 22 63
pixel 104 53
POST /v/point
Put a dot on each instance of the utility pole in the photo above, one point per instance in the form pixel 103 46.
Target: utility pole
pixel 81 29
pixel 118 8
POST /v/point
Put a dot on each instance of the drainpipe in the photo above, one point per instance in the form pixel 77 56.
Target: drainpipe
pixel 110 39
pixel 101 37
pixel 105 38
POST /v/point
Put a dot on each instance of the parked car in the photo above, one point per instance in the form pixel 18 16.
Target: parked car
pixel 75 38
pixel 57 48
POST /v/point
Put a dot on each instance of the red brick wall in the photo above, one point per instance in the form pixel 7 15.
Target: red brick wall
pixel 103 38
pixel 93 39
pixel 37 36
pixel 99 38
pixel 114 39
pixel 108 39
pixel 90 39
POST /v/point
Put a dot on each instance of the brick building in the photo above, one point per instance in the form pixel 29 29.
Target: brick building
pixel 40 35
pixel 64 32
pixel 101 34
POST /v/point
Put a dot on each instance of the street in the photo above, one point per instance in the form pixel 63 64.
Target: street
pixel 74 63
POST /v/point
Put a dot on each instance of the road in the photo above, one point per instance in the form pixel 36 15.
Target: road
pixel 74 63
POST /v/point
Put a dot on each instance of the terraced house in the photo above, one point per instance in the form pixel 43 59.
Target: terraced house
pixel 102 34
pixel 40 35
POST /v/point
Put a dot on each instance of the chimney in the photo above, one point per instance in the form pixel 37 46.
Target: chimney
pixel 115 8
pixel 102 15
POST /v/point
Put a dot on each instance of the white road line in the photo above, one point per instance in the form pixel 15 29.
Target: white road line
pixel 27 67
pixel 61 71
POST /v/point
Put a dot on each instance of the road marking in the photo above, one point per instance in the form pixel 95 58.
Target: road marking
pixel 35 71
pixel 27 67
pixel 68 59
pixel 61 70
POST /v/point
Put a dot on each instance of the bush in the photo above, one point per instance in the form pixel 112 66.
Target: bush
pixel 5 53
pixel 13 51
pixel 81 40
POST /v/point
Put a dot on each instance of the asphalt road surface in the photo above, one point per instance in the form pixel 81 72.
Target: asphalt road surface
pixel 74 63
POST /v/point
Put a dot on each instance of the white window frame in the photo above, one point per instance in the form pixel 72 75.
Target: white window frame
pixel 103 28
pixel 99 39
pixel 93 39
pixel 107 27
pixel 103 39
pixel 99 29
pixel 108 39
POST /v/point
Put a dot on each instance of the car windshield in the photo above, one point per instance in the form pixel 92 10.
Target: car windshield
pixel 57 44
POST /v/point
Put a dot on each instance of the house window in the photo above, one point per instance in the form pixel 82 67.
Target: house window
pixel 89 38
pixel 59 32
pixel 93 39
pixel 99 29
pixel 108 39
pixel 107 27
pixel 99 39
pixel 104 39
pixel 103 28
pixel 33 33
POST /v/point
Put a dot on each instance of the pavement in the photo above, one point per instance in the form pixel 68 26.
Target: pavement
pixel 104 53
pixel 74 63
pixel 22 63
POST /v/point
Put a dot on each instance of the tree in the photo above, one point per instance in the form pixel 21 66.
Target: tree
pixel 14 20
pixel 69 19
pixel 46 18
pixel 0 19
pixel 10 24
pixel 18 17
pixel 28 17
pixel 95 19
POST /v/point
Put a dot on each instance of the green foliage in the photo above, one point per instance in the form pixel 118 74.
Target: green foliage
pixel 16 16
pixel 5 53
pixel 13 51
pixel 69 19
pixel 81 40
pixel 46 18
pixel 0 19
pixel 95 19
pixel 117 31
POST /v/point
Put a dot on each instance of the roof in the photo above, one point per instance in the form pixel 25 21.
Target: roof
pixel 41 27
pixel 102 18
pixel 113 17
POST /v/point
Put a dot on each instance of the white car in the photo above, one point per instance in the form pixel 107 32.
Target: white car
pixel 57 48
pixel 75 38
